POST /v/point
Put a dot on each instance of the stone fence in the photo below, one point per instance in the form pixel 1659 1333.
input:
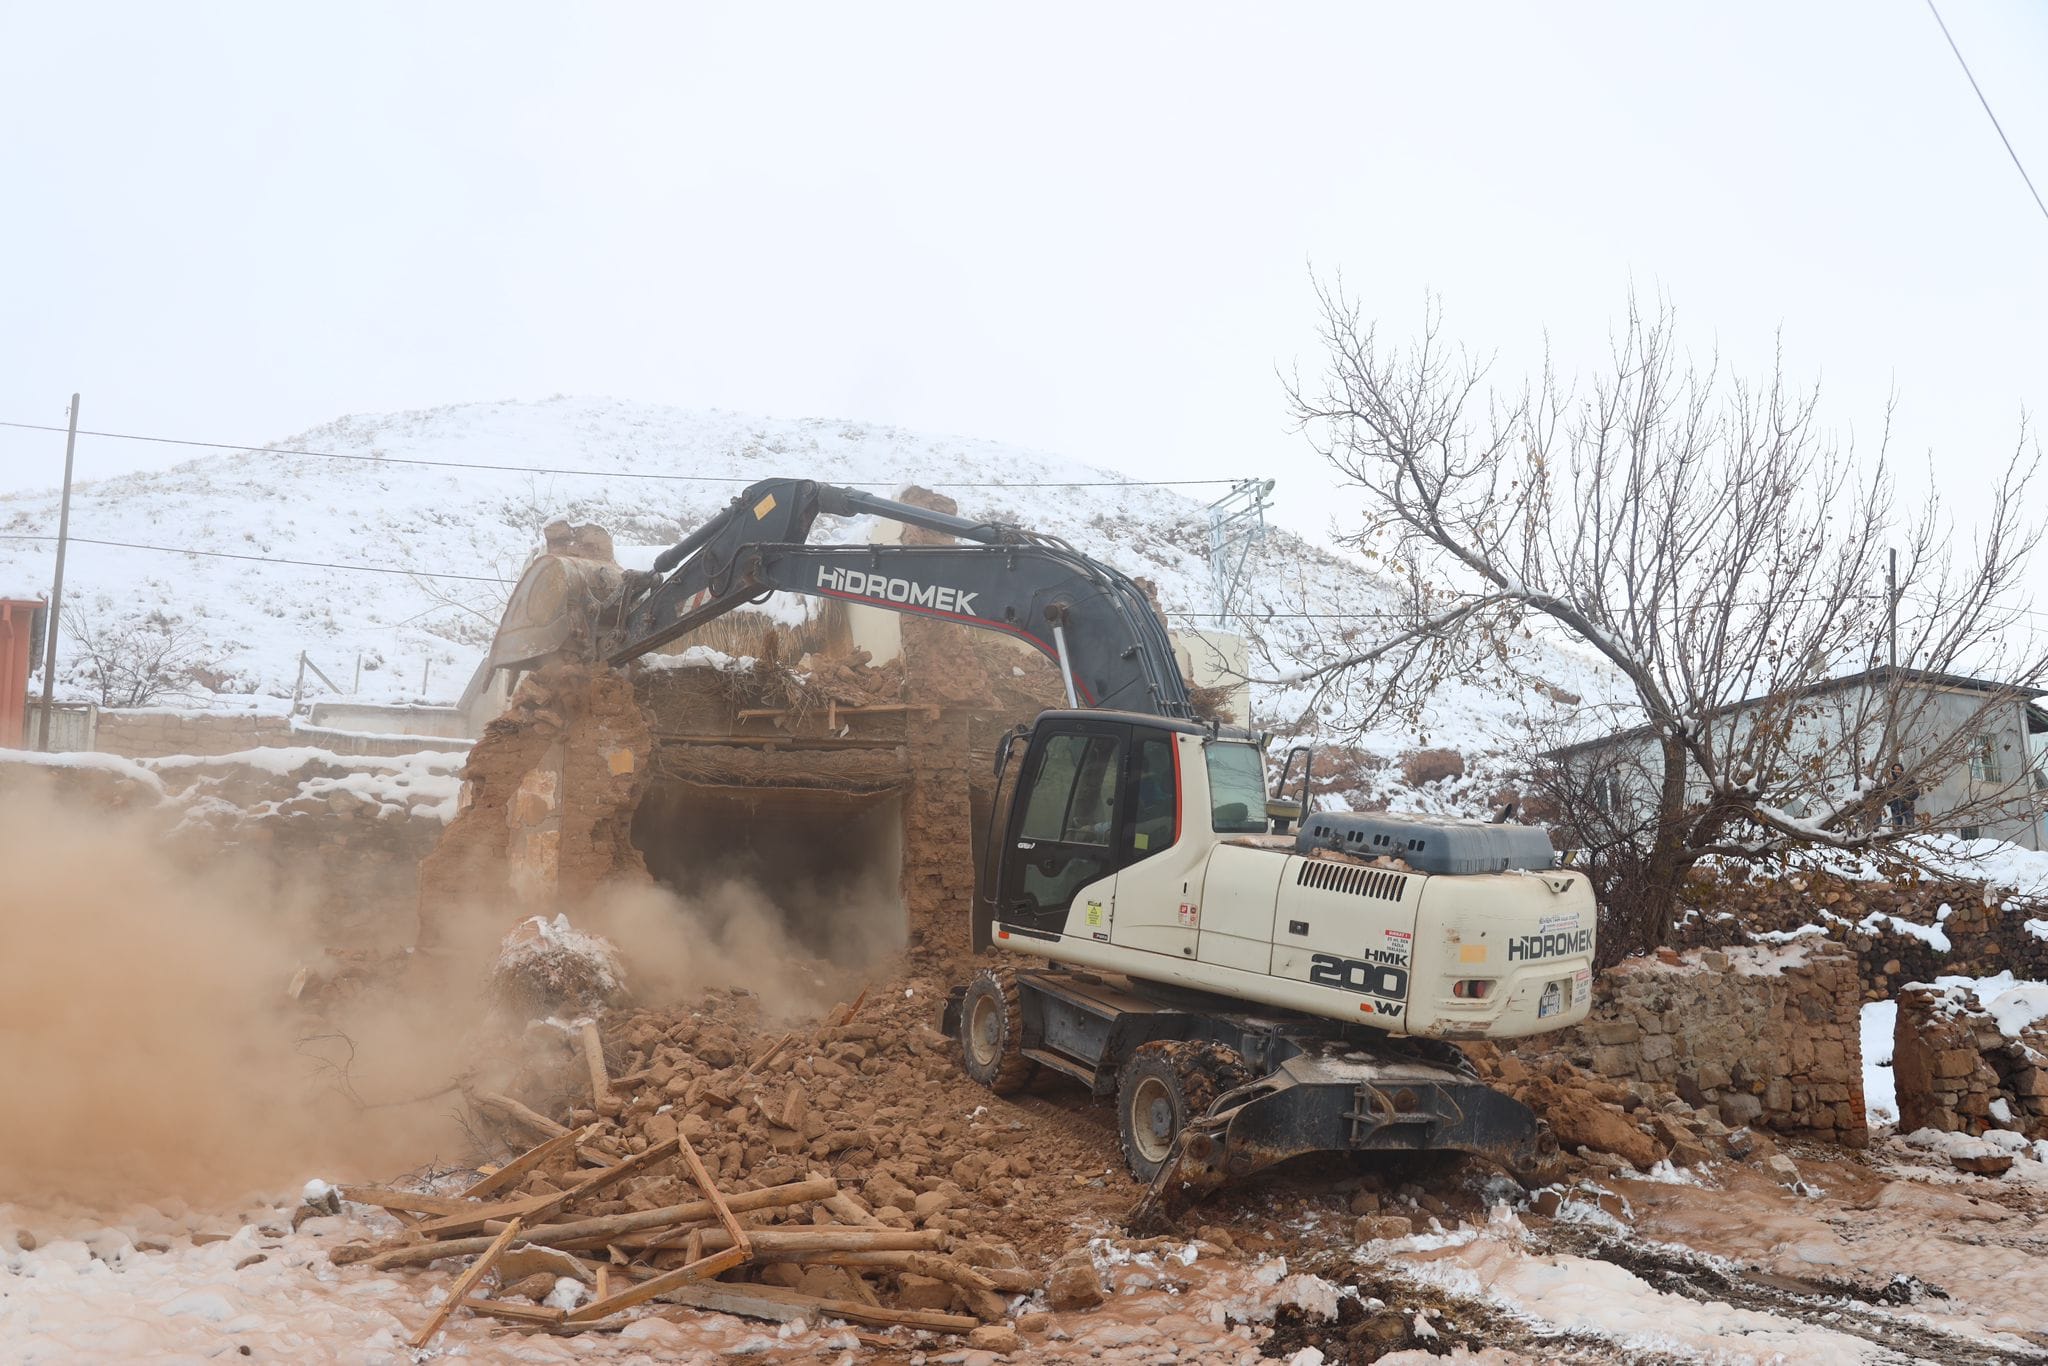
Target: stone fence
pixel 1968 1067
pixel 1766 1035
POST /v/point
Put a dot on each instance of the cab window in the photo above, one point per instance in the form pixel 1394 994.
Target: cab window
pixel 1155 806
pixel 1237 788
pixel 1073 797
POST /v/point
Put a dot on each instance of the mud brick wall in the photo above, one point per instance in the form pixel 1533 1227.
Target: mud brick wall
pixel 156 734
pixel 337 839
pixel 152 734
pixel 1957 1071
pixel 1769 1036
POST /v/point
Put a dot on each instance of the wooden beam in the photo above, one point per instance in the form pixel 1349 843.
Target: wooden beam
pixel 701 1270
pixel 517 1169
pixel 710 1189
pixel 598 1230
pixel 593 1055
pixel 466 1283
pixel 539 1208
pixel 543 1315
pixel 408 1202
pixel 512 1109
pixel 776 1304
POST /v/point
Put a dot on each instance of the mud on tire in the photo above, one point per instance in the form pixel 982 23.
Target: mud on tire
pixel 1161 1087
pixel 992 1032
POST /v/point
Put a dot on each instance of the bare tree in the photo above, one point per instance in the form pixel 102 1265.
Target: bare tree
pixel 133 661
pixel 1718 548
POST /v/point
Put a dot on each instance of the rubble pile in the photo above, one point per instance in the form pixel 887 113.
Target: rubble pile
pixel 1615 1125
pixel 1962 1067
pixel 844 1169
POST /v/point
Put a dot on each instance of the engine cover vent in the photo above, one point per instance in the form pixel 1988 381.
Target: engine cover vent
pixel 1329 876
pixel 1428 844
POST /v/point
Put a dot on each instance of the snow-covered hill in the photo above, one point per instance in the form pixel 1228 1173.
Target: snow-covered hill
pixel 418 637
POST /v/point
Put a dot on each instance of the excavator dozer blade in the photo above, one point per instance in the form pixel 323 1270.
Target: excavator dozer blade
pixel 559 605
pixel 1341 1104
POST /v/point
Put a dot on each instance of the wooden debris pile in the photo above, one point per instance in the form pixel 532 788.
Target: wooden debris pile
pixel 677 1186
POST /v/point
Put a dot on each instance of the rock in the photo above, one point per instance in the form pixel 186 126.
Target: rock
pixel 152 1245
pixel 994 1337
pixel 1365 1202
pixel 1547 1202
pixel 1738 1110
pixel 923 1292
pixel 202 1239
pixel 25 1240
pixel 1983 1164
pixel 1073 1283
pixel 1785 1169
pixel 250 1261
pixel 1374 1227
pixel 931 1202
pixel 883 1189
pixel 1033 1323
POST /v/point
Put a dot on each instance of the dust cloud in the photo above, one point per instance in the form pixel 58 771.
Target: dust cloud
pixel 148 1046
pixel 730 932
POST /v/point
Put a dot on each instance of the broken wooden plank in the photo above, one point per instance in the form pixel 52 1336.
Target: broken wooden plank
pixel 774 1303
pixel 593 1056
pixel 538 1208
pixel 512 1109
pixel 711 1193
pixel 701 1270
pixel 981 1292
pixel 404 1202
pixel 597 1231
pixel 545 1315
pixel 465 1283
pixel 518 1168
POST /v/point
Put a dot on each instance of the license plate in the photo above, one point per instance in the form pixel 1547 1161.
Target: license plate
pixel 1551 1002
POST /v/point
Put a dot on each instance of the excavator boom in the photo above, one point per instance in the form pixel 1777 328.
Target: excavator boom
pixel 1094 623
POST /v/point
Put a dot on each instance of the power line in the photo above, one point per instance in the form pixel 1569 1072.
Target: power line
pixel 266 559
pixel 604 474
pixel 1987 110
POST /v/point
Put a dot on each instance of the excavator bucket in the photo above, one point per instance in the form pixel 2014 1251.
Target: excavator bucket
pixel 560 604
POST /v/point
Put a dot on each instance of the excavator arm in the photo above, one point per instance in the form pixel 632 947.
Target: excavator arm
pixel 1095 624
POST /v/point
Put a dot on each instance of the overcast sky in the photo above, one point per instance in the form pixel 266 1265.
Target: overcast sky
pixel 1087 228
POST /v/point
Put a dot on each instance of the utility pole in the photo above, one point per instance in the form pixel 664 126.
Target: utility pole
pixel 57 583
pixel 1891 607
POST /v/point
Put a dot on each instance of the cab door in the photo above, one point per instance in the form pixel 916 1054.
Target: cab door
pixel 1064 827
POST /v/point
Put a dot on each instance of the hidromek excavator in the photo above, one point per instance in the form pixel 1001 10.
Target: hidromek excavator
pixel 1248 978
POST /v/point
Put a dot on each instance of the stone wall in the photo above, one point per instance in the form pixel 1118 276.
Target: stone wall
pixel 1903 929
pixel 1962 1068
pixel 1767 1036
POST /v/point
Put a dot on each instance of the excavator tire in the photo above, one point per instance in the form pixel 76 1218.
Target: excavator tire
pixel 992 1032
pixel 1162 1085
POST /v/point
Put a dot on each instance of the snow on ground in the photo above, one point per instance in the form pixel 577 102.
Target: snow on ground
pixel 1583 1295
pixel 1880 1088
pixel 656 472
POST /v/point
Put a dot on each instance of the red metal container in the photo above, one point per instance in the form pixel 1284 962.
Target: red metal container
pixel 17 616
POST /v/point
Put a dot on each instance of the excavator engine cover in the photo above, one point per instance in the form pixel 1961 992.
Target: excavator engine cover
pixel 1428 844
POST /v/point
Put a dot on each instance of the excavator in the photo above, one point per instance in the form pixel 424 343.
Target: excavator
pixel 1248 978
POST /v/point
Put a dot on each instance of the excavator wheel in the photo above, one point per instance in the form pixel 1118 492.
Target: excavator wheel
pixel 1162 1086
pixel 992 1032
